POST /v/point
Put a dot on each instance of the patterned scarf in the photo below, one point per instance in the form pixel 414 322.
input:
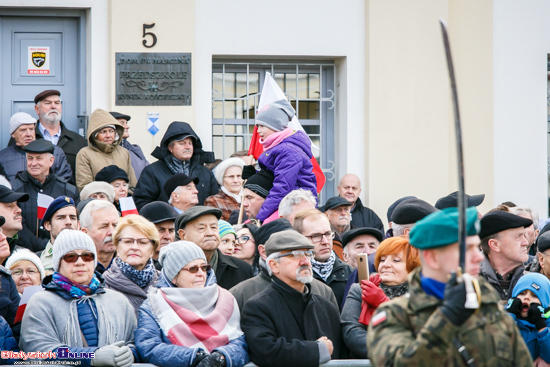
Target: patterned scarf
pixel 393 291
pixel 141 277
pixel 177 166
pixel 324 269
pixel 204 318
pixel 74 289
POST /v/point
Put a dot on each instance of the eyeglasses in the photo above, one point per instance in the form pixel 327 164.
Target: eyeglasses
pixel 128 241
pixel 244 239
pixel 299 254
pixel 72 257
pixel 19 272
pixel 193 269
pixel 317 237
pixel 234 177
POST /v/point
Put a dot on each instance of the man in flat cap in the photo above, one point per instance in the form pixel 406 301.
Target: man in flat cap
pixel 360 241
pixel 327 267
pixel 389 213
pixel 451 201
pixel 432 326
pixel 163 216
pixel 350 188
pixel 38 178
pixel 14 159
pixel 182 192
pixel 180 151
pixel 287 324
pixel 13 220
pixel 138 160
pixel 48 107
pixel 60 215
pixel 255 191
pixel 250 287
pixel 407 213
pixel 337 210
pixel 541 264
pixel 200 225
pixel 506 250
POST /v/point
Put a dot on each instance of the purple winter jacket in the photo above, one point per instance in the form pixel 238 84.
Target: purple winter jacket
pixel 290 162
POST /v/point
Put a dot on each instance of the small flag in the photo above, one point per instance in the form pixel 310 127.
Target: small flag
pixel 43 202
pixel 378 318
pixel 25 297
pixel 127 206
pixel 153 122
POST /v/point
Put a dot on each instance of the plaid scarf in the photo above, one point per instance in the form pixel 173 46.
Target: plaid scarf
pixel 204 318
pixel 141 277
pixel 324 269
pixel 74 289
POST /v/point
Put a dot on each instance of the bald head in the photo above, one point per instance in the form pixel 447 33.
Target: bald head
pixel 350 188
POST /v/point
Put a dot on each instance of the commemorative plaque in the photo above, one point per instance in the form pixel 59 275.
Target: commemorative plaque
pixel 153 79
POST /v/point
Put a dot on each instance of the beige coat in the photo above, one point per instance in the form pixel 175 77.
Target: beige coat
pixel 96 156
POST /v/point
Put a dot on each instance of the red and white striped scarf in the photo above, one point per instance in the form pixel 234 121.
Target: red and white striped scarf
pixel 204 318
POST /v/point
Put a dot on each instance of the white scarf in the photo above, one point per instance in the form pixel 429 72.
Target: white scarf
pixel 236 197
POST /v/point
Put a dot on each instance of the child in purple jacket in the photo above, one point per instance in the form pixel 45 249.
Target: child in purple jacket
pixel 287 153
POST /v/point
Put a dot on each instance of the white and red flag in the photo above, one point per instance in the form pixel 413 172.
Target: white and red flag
pixel 271 92
pixel 127 206
pixel 28 292
pixel 43 202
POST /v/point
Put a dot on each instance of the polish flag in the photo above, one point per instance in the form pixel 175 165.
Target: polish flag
pixel 25 297
pixel 271 92
pixel 127 206
pixel 43 202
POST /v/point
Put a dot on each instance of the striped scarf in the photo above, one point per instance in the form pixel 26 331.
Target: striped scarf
pixel 204 318
pixel 324 269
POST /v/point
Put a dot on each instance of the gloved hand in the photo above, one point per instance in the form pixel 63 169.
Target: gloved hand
pixel 124 357
pixel 214 359
pixel 514 306
pixel 372 294
pixel 375 278
pixel 535 316
pixel 453 302
pixel 105 356
pixel 199 357
pixel 248 171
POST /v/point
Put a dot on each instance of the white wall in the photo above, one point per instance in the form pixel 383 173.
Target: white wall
pixel 521 44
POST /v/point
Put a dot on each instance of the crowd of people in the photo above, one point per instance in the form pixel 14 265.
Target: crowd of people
pixel 223 264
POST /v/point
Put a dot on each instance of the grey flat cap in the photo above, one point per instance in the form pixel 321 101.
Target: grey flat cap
pixel 192 214
pixel 287 240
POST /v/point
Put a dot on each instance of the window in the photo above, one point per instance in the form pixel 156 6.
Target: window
pixel 236 89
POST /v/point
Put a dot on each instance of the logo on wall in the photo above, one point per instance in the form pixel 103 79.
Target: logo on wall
pixel 39 60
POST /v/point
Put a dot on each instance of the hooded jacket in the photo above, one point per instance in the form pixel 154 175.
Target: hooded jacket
pixel 96 156
pixel 290 162
pixel 153 177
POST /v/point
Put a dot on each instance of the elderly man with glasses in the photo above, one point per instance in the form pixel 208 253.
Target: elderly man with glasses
pixel 287 324
pixel 327 267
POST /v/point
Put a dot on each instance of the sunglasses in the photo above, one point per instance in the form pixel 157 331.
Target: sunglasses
pixel 72 257
pixel 194 269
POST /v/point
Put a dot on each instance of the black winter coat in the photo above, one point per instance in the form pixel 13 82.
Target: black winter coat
pixel 337 279
pixel 54 187
pixel 281 326
pixel 9 300
pixel 361 216
pixel 150 186
pixel 231 271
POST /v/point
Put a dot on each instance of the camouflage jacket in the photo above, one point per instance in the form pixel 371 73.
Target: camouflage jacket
pixel 412 331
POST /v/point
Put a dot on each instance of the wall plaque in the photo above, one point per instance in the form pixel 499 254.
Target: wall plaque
pixel 153 79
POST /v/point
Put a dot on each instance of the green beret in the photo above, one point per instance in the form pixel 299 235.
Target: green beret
pixel 440 229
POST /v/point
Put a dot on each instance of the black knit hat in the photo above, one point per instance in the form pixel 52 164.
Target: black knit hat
pixel 260 183
pixel 265 231
pixel 111 173
pixel 411 211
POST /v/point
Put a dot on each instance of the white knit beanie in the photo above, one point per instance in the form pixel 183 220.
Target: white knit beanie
pixel 70 240
pixel 220 169
pixel 20 118
pixel 98 186
pixel 176 255
pixel 25 254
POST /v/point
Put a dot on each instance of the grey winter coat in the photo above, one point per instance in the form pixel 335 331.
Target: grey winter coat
pixel 353 332
pixel 137 158
pixel 115 280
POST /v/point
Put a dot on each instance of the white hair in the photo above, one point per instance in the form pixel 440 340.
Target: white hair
pixel 399 229
pixel 523 210
pixel 273 256
pixel 293 198
pixel 86 220
pixel 5 182
pixel 177 190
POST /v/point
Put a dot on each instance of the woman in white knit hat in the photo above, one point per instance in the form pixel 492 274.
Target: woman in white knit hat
pixel 229 176
pixel 187 319
pixel 26 269
pixel 76 312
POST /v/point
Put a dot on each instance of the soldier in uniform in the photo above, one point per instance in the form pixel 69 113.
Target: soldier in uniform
pixel 430 325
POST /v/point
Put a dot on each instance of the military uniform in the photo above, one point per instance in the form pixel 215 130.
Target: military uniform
pixel 412 331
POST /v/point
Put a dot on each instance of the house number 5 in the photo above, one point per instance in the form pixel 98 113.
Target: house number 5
pixel 145 34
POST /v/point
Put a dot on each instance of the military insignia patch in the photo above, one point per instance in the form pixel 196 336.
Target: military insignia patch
pixel 379 318
pixel 38 59
pixel 67 199
pixel 536 286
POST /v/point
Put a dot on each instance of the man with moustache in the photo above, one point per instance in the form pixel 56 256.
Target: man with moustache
pixel 98 220
pixel 337 210
pixel 60 215
pixel 255 191
pixel 286 324
pixel 13 222
pixel 327 267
